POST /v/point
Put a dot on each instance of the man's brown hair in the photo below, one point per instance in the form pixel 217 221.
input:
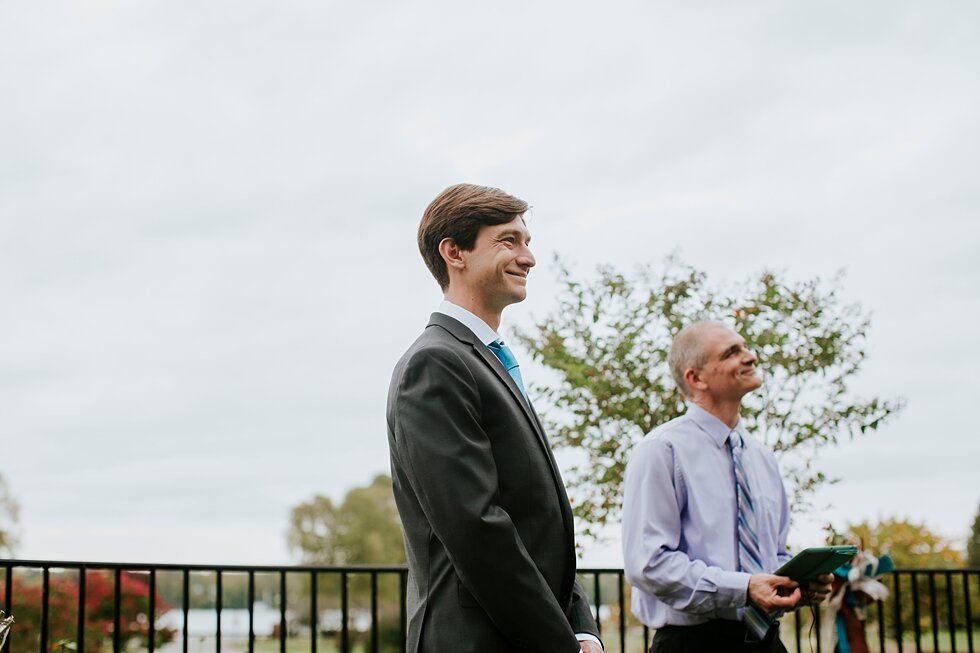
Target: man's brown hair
pixel 458 213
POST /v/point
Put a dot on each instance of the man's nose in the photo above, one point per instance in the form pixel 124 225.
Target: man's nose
pixel 750 356
pixel 527 258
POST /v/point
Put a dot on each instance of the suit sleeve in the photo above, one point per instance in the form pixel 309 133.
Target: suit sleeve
pixel 446 454
pixel 580 614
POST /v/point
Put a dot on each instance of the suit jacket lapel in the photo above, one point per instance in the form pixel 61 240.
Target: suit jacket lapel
pixel 488 356
pixel 462 333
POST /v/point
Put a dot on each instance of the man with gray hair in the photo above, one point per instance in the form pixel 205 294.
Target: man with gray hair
pixel 705 515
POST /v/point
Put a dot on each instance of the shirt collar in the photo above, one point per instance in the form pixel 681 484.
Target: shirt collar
pixel 479 328
pixel 717 430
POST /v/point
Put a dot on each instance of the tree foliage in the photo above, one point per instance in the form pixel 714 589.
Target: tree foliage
pixel 911 545
pixel 9 510
pixel 363 529
pixel 26 606
pixel 608 340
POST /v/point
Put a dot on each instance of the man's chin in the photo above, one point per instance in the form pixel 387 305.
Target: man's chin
pixel 518 297
pixel 512 297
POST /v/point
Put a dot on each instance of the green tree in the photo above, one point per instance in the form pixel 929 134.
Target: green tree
pixel 912 545
pixel 973 544
pixel 608 340
pixel 363 529
pixel 9 510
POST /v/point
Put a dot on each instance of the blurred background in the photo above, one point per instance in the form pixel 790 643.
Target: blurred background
pixel 208 211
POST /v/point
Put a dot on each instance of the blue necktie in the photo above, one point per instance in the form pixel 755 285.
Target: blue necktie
pixel 506 358
pixel 749 556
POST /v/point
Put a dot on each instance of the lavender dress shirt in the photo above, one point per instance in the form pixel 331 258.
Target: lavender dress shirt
pixel 680 542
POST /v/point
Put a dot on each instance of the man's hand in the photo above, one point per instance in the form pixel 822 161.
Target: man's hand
pixel 817 589
pixel 771 593
pixel 588 646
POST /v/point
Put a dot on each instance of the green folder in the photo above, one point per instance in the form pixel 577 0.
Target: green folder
pixel 812 562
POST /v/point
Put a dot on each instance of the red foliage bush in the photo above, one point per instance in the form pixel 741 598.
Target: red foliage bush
pixel 63 601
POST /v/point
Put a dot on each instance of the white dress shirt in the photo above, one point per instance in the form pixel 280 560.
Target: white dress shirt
pixel 479 328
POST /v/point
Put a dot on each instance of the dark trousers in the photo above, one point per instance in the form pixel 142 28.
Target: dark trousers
pixel 717 636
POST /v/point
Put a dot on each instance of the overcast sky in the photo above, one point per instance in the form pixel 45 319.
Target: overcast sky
pixel 208 212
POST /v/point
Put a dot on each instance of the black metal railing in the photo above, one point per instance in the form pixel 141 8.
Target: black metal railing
pixel 96 607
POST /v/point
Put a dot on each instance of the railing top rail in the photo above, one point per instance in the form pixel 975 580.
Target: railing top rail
pixel 173 566
pixel 937 570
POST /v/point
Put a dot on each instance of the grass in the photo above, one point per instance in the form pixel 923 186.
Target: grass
pixel 240 645
pixel 808 642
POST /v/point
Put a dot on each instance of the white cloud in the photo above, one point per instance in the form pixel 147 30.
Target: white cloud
pixel 208 213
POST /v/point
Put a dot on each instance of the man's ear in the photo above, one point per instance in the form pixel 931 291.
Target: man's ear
pixel 692 379
pixel 451 253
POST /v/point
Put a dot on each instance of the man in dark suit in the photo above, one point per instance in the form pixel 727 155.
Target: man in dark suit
pixel 488 527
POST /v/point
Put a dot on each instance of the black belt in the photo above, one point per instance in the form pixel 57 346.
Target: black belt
pixel 726 628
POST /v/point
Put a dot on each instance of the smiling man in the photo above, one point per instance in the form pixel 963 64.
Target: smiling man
pixel 705 515
pixel 488 527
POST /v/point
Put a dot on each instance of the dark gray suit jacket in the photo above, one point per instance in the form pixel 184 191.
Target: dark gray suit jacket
pixel 488 527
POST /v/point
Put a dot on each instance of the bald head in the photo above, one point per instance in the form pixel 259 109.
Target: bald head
pixel 688 351
pixel 714 368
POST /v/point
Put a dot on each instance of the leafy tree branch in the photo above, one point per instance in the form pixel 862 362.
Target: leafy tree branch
pixel 608 341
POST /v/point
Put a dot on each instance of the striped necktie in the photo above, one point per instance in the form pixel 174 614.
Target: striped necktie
pixel 749 555
pixel 506 358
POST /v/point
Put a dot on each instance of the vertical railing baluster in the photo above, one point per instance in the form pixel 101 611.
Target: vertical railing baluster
pixel 344 615
pixel 798 630
pixel 117 613
pixel 80 632
pixel 282 611
pixel 313 612
pixel 933 610
pixel 898 610
pixel 916 615
pixel 597 597
pixel 251 611
pixel 8 591
pixel 815 614
pixel 45 603
pixel 880 608
pixel 950 611
pixel 185 606
pixel 622 613
pixel 403 608
pixel 152 617
pixel 374 612
pixel 969 611
pixel 8 588
pixel 218 604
